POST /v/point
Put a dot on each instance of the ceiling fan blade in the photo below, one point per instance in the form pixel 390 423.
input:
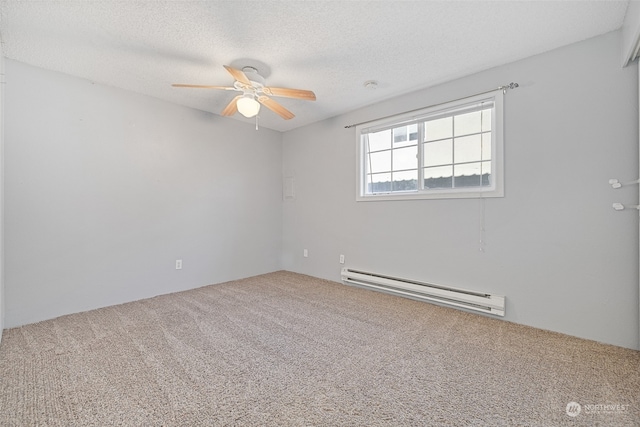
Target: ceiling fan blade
pixel 232 107
pixel 238 75
pixel 204 86
pixel 275 107
pixel 290 93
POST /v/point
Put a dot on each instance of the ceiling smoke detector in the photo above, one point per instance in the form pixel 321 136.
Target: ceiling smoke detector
pixel 370 84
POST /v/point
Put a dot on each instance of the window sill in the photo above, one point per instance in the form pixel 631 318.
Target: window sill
pixel 432 195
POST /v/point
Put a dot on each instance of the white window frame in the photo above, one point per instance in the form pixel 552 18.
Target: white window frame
pixel 496 189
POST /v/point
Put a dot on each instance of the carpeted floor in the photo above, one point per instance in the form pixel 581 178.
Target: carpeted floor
pixel 283 349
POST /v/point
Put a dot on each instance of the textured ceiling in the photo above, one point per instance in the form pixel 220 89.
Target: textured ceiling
pixel 330 47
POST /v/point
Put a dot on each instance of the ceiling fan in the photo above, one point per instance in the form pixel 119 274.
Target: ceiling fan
pixel 255 93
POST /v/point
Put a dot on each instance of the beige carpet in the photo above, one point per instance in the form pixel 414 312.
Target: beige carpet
pixel 284 349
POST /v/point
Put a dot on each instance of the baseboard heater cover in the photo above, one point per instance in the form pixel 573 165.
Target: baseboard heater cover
pixel 472 300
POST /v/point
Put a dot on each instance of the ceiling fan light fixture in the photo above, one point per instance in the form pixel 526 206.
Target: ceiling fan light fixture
pixel 248 106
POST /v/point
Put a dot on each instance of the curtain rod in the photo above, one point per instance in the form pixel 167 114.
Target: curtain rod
pixel 502 88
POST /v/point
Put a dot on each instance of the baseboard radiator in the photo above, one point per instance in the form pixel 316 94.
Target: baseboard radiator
pixel 478 301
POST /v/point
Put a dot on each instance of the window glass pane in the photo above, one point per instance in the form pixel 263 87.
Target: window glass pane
pixel 405 181
pixel 486 174
pixel 379 183
pixel 380 162
pixel 467 175
pixel 405 158
pixel 468 149
pixel 486 120
pixel 380 140
pixel 438 129
pixel 438 177
pixel 438 153
pixel 486 146
pixel 413 132
pixel 405 135
pixel 464 124
pixel 400 134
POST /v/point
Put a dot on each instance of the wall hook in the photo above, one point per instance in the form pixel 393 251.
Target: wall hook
pixel 621 207
pixel 617 184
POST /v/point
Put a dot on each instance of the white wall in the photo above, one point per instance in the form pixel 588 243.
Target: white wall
pixel 2 80
pixel 105 189
pixel 630 31
pixel 564 258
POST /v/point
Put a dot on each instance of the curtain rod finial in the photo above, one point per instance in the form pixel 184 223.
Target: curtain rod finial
pixel 511 85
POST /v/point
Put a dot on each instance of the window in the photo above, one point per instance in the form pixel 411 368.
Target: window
pixel 453 150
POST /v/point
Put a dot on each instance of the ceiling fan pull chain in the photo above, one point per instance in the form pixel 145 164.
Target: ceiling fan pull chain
pixel 256 122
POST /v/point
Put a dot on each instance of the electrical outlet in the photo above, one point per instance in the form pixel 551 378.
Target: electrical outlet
pixel 341 259
pixel 305 253
pixel 178 264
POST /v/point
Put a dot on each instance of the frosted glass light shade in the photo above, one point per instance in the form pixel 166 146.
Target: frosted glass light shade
pixel 248 107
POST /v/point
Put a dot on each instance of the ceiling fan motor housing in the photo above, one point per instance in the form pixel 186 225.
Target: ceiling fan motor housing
pixel 252 74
